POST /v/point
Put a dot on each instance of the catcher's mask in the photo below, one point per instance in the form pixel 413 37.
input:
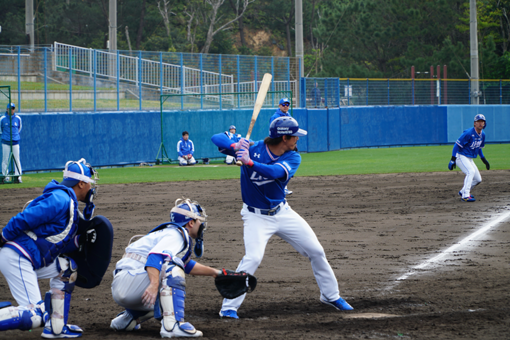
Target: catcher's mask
pixel 186 210
pixel 80 171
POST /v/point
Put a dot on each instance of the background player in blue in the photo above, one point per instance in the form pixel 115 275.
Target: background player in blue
pixel 231 133
pixel 283 111
pixel 185 149
pixel 10 123
pixel 466 149
pixel 33 242
pixel 149 280
pixel 268 166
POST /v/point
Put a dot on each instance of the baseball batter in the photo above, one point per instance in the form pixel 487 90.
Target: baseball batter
pixel 231 134
pixel 268 166
pixel 185 149
pixel 149 280
pixel 32 246
pixel 466 149
pixel 10 129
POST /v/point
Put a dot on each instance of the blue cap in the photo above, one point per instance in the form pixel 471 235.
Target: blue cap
pixel 284 100
pixel 232 127
pixel 76 172
pixel 11 106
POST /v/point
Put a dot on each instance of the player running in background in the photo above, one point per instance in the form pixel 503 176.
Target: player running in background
pixel 268 166
pixel 466 149
pixel 231 133
pixel 149 279
pixel 283 111
pixel 32 248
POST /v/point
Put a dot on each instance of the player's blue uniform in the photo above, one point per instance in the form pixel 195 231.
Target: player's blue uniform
pixel 234 137
pixel 466 148
pixel 5 131
pixel 266 213
pixel 278 114
pixel 185 148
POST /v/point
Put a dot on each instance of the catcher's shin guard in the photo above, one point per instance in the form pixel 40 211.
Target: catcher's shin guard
pixel 21 318
pixel 169 306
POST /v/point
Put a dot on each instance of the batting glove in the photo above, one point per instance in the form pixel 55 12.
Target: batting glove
pixel 244 157
pixel 243 143
pixel 487 165
pixel 451 165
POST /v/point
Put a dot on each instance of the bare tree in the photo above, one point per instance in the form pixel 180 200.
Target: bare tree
pixel 165 13
pixel 214 20
pixel 192 11
pixel 140 27
pixel 240 23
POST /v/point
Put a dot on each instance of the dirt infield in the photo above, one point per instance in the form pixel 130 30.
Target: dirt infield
pixel 374 228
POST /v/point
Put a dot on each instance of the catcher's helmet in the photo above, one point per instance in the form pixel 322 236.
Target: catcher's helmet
pixel 285 126
pixel 232 127
pixel 74 172
pixel 481 117
pixel 186 210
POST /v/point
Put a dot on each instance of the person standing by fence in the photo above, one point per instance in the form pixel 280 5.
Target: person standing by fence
pixel 10 129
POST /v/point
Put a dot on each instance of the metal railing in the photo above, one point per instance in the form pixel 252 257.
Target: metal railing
pixel 335 92
pixel 69 78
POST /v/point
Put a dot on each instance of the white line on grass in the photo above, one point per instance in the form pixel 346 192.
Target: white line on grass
pixel 465 241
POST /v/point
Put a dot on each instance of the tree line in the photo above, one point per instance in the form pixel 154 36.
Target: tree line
pixel 343 38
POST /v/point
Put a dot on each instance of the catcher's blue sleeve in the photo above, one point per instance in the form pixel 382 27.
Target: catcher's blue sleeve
pixel 155 261
pixel 189 266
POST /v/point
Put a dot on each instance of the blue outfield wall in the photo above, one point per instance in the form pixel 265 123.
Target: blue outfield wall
pixel 115 138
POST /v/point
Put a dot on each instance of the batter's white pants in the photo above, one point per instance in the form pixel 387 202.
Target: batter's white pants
pixel 183 161
pixel 6 150
pixel 128 287
pixel 291 227
pixel 473 177
pixel 22 278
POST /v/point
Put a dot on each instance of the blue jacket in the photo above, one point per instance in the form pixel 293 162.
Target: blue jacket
pixel 47 227
pixel 278 114
pixel 5 129
pixel 185 147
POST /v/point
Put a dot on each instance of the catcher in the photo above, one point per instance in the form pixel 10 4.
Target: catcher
pixel 149 280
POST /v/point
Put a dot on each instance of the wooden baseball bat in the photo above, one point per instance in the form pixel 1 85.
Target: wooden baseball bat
pixel 261 96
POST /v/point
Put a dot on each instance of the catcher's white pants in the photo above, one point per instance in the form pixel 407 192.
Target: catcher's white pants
pixel 128 287
pixel 183 161
pixel 473 177
pixel 22 278
pixel 6 150
pixel 292 228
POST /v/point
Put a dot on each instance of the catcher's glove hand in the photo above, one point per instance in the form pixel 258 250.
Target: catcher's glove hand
pixel 232 284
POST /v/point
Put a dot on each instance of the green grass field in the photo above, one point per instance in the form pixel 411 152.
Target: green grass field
pixel 343 162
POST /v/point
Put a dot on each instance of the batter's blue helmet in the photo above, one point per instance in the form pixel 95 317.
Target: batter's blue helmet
pixel 80 171
pixel 282 126
pixel 186 210
pixel 232 127
pixel 481 117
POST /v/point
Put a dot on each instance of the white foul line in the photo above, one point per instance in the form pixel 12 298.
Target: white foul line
pixel 453 248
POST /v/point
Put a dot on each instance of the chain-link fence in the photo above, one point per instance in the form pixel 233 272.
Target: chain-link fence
pixel 334 92
pixel 69 78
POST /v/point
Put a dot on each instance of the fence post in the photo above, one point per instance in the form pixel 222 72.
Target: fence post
pixel 238 81
pixel 299 76
pixel 500 93
pixel 70 57
pixel 255 88
pixel 388 91
pixel 118 81
pixel 348 97
pixel 219 62
pixel 94 70
pixel 272 83
pixel 45 81
pixel 367 91
pixel 182 81
pixel 302 89
pixel 160 73
pixel 338 92
pixel 140 79
pixel 325 93
pixel 19 78
pixel 202 82
pixel 288 74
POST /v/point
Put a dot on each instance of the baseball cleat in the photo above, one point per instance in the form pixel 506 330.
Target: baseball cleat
pixel 339 304
pixel 180 330
pixel 229 313
pixel 468 199
pixel 69 331
pixel 288 192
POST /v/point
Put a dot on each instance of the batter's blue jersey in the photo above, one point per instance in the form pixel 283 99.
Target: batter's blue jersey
pixel 470 143
pixel 257 190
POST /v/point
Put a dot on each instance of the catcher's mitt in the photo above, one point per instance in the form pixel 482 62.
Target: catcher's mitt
pixel 232 284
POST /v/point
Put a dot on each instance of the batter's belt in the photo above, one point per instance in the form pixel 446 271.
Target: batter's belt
pixel 268 212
